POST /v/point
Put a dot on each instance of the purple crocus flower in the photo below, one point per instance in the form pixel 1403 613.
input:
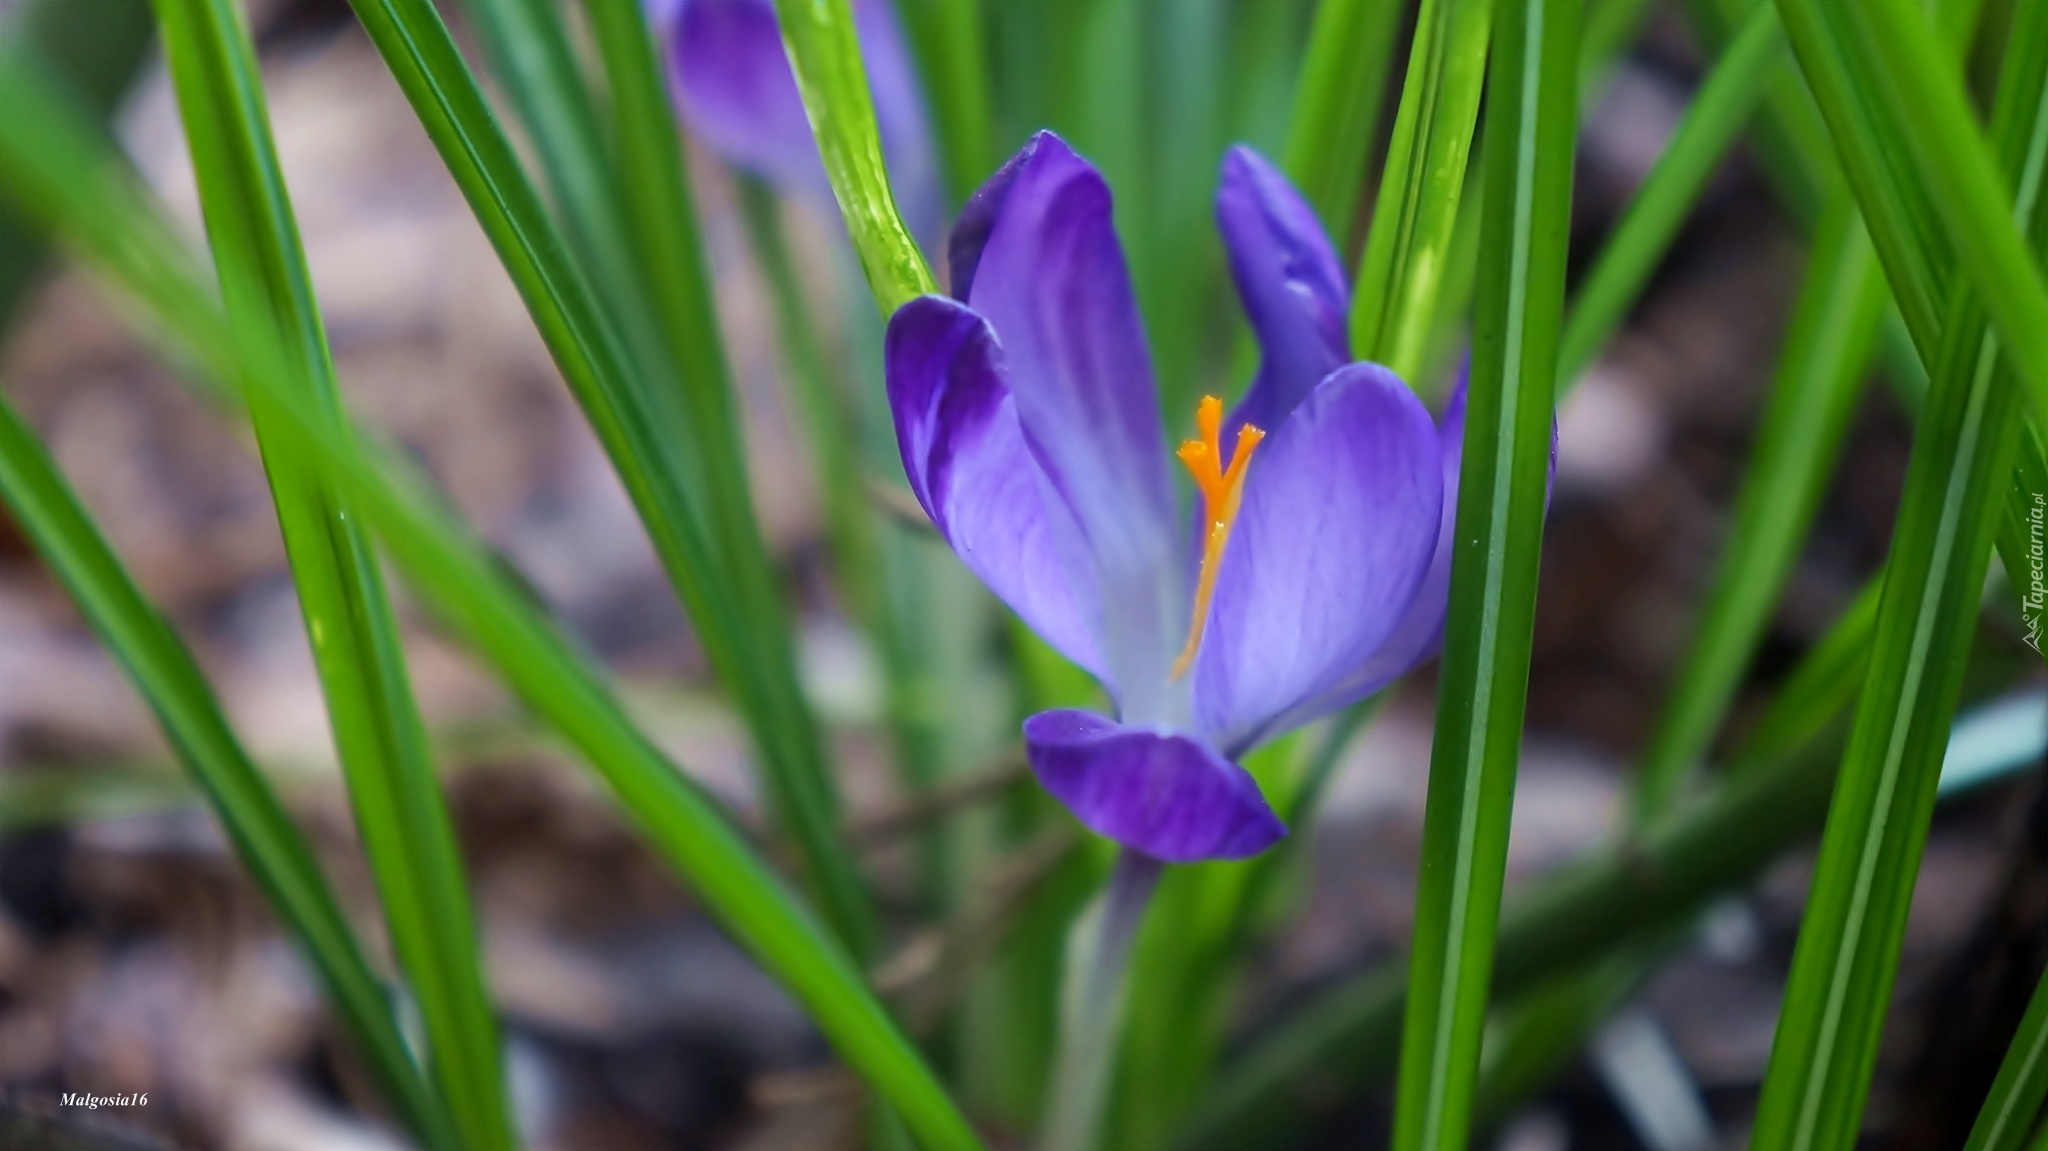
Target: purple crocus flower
pixel 1030 429
pixel 738 94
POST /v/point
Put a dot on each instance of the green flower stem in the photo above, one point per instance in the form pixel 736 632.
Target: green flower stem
pixel 1092 1016
pixel 825 54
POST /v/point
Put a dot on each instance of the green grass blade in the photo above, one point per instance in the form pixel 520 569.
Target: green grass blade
pixel 1531 123
pixel 1394 301
pixel 1892 205
pixel 1350 1035
pixel 257 824
pixel 1608 28
pixel 377 729
pixel 61 172
pixel 674 289
pixel 1790 139
pixel 1913 102
pixel 73 184
pixel 1847 957
pixel 528 47
pixel 821 403
pixel 98 47
pixel 952 56
pixel 1819 378
pixel 731 621
pixel 1337 107
pixel 825 54
pixel 2015 1098
pixel 1723 104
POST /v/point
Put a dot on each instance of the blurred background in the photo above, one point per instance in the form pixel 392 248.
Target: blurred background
pixel 136 957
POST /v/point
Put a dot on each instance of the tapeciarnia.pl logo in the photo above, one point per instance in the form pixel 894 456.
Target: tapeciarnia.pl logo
pixel 88 1099
pixel 2036 597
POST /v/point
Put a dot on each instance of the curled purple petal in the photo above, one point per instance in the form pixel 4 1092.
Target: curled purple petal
pixel 978 218
pixel 1052 283
pixel 1290 281
pixel 1340 520
pixel 964 453
pixel 1167 796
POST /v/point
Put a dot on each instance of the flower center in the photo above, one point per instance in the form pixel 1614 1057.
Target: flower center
pixel 1221 482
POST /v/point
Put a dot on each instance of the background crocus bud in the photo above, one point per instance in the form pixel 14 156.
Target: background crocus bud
pixel 733 82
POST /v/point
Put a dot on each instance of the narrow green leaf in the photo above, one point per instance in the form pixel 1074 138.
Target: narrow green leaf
pixel 2016 1094
pixel 1349 1036
pixel 1503 488
pixel 1814 392
pixel 377 729
pixel 1790 139
pixel 97 47
pixel 869 573
pixel 952 55
pixel 1924 114
pixel 1395 299
pixel 825 54
pixel 1337 107
pixel 1719 109
pixel 674 291
pixel 741 637
pixel 257 824
pixel 74 185
pixel 1608 27
pixel 1847 957
pixel 527 45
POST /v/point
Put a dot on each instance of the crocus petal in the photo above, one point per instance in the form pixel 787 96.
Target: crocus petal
pixel 978 218
pixel 1290 281
pixel 1421 629
pixel 1341 516
pixel 739 94
pixel 1052 283
pixel 1167 796
pixel 1420 633
pixel 956 425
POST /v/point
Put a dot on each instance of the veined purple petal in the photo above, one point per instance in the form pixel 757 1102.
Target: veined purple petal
pixel 1290 281
pixel 956 425
pixel 1420 633
pixel 1052 283
pixel 1421 629
pixel 738 93
pixel 1167 796
pixel 1341 517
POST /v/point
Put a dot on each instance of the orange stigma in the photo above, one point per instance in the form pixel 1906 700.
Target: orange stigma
pixel 1222 486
